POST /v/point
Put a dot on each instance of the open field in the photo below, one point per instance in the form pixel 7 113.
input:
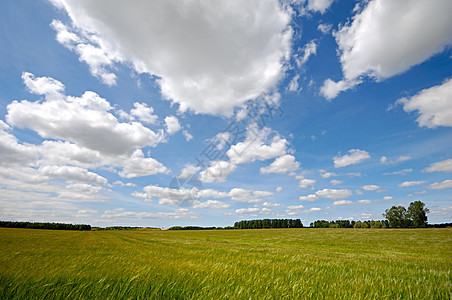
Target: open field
pixel 226 264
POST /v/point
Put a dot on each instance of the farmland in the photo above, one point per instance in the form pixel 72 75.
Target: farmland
pixel 226 264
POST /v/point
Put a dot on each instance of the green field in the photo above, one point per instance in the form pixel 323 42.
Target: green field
pixel 226 264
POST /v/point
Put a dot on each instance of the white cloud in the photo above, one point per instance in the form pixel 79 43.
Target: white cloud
pixel 172 196
pixel 333 193
pixel 294 207
pixel 83 120
pixel 356 156
pixel 384 159
pixel 281 165
pixel 293 84
pixel 325 28
pixel 388 37
pixel 248 196
pixel 308 50
pixel 42 85
pixel 370 187
pixel 211 204
pixel 144 113
pixel 232 51
pixel 217 171
pixel 73 173
pixel 181 213
pixel 330 89
pixel 401 172
pixel 411 183
pixel 244 211
pixel 188 136
pixel 89 50
pixel 434 105
pixel 310 197
pixel 446 184
pixel 255 147
pixel 342 202
pixel 138 165
pixel 279 188
pixel 172 124
pixel 314 209
pixel 326 174
pixel 386 198
pixel 305 183
pixel 335 182
pixel 319 5
pixel 364 201
pixel 270 204
pixel 440 166
pixel 188 171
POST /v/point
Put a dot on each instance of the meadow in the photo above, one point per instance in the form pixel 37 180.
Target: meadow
pixel 226 264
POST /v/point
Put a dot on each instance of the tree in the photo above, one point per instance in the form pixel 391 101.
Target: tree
pixel 397 217
pixel 418 214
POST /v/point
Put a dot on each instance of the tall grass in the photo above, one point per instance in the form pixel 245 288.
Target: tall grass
pixel 226 264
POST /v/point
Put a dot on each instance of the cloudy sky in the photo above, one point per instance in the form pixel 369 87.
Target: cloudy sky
pixel 160 113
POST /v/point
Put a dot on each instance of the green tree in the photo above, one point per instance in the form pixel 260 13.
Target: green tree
pixel 397 217
pixel 418 214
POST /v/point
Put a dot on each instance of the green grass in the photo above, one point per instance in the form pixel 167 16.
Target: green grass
pixel 226 264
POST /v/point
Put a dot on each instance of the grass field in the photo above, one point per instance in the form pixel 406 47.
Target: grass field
pixel 226 264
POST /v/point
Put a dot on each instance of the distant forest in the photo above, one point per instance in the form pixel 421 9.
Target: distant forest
pixel 38 225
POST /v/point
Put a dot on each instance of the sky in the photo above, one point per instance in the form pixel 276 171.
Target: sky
pixel 162 113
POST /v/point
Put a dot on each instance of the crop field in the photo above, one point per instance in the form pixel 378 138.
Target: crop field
pixel 226 264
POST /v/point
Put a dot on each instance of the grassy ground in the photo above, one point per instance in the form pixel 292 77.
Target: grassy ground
pixel 227 264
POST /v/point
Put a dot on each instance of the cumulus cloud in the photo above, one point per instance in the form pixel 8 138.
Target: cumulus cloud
pixel 84 120
pixel 188 171
pixel 333 193
pixel 330 89
pixel 144 113
pixel 411 183
pixel 325 28
pixel 401 172
pixel 172 196
pixel 441 166
pixel 388 37
pixel 305 183
pixel 356 156
pixel 446 184
pixel 181 213
pixel 73 173
pixel 217 171
pixel 293 84
pixel 211 204
pixel 335 182
pixel 342 202
pixel 138 165
pixel 319 5
pixel 370 187
pixel 434 105
pixel 270 204
pixel 232 51
pixel 89 49
pixel 172 124
pixel 326 174
pixel 364 201
pixel 310 197
pixel 281 165
pixel 308 50
pixel 258 145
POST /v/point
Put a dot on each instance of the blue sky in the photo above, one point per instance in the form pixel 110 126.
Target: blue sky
pixel 169 113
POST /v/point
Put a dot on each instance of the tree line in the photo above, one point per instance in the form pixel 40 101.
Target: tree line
pixel 268 223
pixel 349 224
pixel 40 225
